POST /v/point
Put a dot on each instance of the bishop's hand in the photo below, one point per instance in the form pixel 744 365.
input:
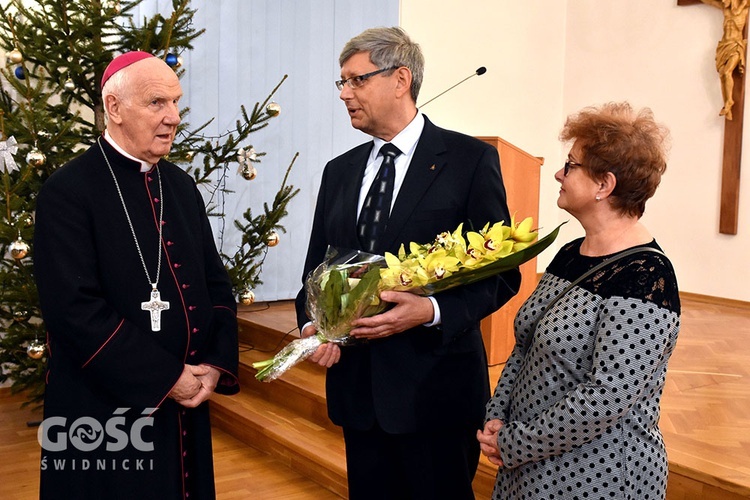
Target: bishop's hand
pixel 188 385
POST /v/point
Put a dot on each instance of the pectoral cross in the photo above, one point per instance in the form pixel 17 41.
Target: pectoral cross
pixel 730 62
pixel 155 306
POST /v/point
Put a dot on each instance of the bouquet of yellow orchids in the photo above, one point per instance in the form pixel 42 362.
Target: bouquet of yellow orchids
pixel 347 285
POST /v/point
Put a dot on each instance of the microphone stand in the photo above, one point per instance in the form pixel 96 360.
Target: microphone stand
pixel 480 71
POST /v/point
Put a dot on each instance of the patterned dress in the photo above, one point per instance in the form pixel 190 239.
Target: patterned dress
pixel 579 394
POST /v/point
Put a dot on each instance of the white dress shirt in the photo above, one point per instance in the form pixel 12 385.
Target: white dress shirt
pixel 406 141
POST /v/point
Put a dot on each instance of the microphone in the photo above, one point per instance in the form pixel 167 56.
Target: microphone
pixel 480 71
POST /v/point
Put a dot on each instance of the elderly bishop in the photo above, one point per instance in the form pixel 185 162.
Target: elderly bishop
pixel 126 411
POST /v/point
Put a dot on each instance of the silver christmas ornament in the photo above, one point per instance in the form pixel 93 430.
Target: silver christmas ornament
pixel 273 109
pixel 69 85
pixel 19 249
pixel 247 297
pixel 36 158
pixel 35 350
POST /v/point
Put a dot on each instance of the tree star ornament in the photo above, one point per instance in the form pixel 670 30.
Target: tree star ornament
pixel 7 149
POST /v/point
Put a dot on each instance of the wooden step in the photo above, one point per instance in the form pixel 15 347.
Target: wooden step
pixel 287 418
pixel 307 448
pixel 301 389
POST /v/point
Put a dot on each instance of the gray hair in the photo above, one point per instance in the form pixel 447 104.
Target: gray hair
pixel 117 85
pixel 388 47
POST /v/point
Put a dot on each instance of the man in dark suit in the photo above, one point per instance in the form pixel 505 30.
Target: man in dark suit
pixel 410 394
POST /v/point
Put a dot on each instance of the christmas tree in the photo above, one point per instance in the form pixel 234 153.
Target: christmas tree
pixel 51 110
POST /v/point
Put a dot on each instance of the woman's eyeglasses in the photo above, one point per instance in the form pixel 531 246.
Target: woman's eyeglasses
pixel 570 164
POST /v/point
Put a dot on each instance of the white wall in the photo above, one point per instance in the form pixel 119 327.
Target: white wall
pixel 548 59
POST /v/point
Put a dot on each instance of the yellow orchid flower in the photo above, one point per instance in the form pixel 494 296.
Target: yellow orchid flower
pixel 522 232
pixel 439 264
pixel 402 275
pixel 489 244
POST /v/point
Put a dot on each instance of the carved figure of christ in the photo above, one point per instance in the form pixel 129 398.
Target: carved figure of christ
pixel 730 63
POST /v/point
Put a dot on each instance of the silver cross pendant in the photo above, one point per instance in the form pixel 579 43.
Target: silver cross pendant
pixel 155 306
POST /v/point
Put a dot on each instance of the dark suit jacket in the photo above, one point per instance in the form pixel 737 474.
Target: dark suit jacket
pixel 425 377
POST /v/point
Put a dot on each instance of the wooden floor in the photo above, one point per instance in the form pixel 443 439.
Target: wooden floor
pixel 242 472
pixel 705 421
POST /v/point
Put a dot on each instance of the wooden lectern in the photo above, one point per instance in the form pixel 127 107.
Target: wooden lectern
pixel 521 178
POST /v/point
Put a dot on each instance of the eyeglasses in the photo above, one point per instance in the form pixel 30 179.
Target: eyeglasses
pixel 570 164
pixel 356 82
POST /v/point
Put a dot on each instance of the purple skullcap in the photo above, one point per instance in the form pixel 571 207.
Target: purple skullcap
pixel 122 61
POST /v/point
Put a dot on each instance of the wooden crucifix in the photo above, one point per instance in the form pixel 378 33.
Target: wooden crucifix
pixel 730 63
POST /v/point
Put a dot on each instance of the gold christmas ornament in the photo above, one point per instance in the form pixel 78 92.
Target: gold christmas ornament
pixel 247 297
pixel 273 109
pixel 248 172
pixel 15 56
pixel 35 350
pixel 273 239
pixel 36 158
pixel 19 249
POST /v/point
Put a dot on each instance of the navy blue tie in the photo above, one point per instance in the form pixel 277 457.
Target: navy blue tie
pixel 376 209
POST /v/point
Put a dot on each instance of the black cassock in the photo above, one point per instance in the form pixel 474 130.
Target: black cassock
pixel 110 431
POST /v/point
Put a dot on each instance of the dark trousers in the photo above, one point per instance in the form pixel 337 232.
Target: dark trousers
pixel 432 465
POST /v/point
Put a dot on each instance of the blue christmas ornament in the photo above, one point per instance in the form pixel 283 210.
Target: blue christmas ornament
pixel 19 72
pixel 171 60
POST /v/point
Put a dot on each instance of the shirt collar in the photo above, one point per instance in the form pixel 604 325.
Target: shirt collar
pixel 407 139
pixel 145 166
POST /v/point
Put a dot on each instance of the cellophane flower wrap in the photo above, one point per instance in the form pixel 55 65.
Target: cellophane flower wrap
pixel 347 285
